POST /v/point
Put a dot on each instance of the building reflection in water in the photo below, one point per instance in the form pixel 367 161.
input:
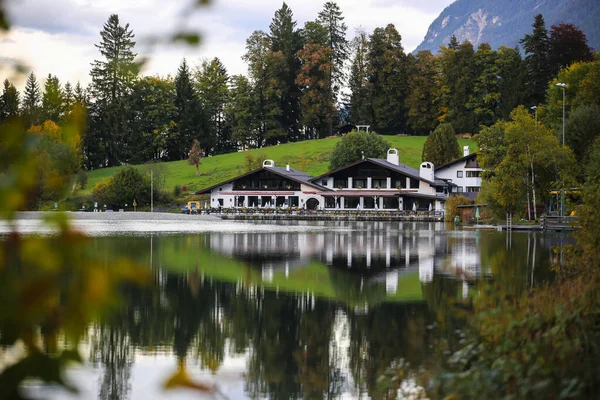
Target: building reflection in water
pixel 311 314
pixel 380 251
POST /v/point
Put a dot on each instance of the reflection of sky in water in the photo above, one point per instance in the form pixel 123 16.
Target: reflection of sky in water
pixel 367 263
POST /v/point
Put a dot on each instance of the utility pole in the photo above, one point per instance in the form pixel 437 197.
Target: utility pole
pixel 151 190
pixel 562 200
pixel 535 109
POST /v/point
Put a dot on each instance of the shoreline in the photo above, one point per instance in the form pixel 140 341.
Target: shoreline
pixel 116 216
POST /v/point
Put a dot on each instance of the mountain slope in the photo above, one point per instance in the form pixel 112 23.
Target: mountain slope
pixel 505 22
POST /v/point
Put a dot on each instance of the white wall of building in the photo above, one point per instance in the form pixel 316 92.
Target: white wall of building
pixel 451 173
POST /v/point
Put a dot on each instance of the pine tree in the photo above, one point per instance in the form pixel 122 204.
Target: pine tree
pixel 107 139
pixel 79 95
pixel 457 82
pixel 421 103
pixel 286 39
pixel 31 109
pixel 113 77
pixel 264 68
pixel 9 102
pixel 388 79
pixel 52 100
pixel 188 119
pixel 441 145
pixel 68 100
pixel 453 44
pixel 486 97
pixel 359 100
pixel 239 112
pixel 314 33
pixel 537 62
pixel 512 73
pixel 151 118
pixel 211 85
pixel 332 20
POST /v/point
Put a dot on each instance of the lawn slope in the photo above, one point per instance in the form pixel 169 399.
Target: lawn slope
pixel 311 156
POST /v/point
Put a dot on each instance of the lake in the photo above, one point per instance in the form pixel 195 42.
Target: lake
pixel 288 310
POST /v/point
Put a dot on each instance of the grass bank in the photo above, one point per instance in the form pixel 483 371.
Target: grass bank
pixel 311 156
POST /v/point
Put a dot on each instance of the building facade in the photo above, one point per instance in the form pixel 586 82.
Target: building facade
pixel 369 184
pixel 463 173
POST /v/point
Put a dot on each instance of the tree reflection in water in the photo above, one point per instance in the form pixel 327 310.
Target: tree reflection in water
pixel 296 344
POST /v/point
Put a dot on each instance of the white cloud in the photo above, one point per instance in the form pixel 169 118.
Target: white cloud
pixel 58 36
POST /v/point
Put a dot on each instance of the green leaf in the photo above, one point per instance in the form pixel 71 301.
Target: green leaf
pixel 193 39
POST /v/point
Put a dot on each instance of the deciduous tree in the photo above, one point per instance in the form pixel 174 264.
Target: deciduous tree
pixel 195 155
pixel 317 104
pixel 567 44
pixel 356 145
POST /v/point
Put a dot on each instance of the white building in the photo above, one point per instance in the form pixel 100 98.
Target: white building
pixel 369 184
pixel 463 173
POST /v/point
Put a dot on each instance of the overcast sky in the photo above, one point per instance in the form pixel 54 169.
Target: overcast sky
pixel 58 36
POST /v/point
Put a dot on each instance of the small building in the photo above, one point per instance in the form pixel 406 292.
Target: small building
pixel 346 129
pixel 464 174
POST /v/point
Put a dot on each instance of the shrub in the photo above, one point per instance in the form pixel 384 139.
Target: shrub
pixel 177 191
pixel 82 179
pixel 125 186
pixel 452 206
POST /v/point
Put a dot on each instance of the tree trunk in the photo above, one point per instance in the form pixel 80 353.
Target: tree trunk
pixel 533 188
pixel 528 205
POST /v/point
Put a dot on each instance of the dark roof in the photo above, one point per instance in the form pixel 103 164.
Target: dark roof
pixel 404 169
pixel 292 174
pixel 458 160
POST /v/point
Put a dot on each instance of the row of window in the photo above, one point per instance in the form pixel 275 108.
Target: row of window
pixel 469 189
pixel 470 174
pixel 375 183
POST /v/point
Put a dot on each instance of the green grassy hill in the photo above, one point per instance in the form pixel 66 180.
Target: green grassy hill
pixel 311 156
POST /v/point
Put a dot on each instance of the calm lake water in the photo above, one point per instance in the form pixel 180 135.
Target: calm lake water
pixel 284 311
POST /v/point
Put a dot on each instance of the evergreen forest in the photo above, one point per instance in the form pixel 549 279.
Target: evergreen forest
pixel 302 83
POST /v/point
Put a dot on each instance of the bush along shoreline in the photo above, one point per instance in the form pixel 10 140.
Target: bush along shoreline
pixel 525 343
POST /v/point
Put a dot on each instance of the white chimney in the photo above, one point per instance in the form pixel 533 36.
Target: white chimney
pixel 465 151
pixel 268 163
pixel 287 167
pixel 392 157
pixel 427 171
